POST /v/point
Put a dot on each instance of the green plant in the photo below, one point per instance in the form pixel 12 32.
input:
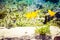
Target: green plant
pixel 43 30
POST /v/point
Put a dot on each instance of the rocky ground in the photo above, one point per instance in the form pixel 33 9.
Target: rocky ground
pixel 25 33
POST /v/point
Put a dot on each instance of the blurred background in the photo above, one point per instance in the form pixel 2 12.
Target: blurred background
pixel 15 13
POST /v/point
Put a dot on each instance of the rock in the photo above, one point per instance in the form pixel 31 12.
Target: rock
pixel 26 33
pixel 57 38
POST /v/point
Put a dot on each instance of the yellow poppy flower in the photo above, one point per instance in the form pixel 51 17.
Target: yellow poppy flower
pixel 33 14
pixel 51 13
pixel 28 15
